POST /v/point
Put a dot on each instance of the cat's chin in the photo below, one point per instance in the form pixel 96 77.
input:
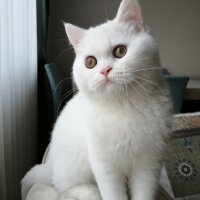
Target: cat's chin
pixel 105 89
pixel 109 90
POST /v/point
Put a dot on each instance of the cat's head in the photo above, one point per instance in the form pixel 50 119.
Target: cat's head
pixel 107 55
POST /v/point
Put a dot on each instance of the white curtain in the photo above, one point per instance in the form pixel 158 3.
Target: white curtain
pixel 18 93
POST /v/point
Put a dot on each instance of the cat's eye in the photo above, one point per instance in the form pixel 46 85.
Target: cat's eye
pixel 90 62
pixel 119 51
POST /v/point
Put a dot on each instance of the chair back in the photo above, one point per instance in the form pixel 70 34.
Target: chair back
pixel 177 86
pixel 58 88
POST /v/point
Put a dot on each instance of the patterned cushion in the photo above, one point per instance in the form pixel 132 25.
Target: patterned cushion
pixel 183 157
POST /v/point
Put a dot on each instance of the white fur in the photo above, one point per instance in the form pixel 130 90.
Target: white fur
pixel 113 134
pixel 48 192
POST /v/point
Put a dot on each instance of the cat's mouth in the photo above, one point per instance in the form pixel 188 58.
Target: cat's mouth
pixel 112 80
pixel 109 81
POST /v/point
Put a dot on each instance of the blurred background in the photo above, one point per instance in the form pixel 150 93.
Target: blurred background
pixel 174 24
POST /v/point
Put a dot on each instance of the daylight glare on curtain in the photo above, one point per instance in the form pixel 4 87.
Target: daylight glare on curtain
pixel 18 93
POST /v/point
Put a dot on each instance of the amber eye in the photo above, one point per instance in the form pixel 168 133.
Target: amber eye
pixel 119 51
pixel 90 62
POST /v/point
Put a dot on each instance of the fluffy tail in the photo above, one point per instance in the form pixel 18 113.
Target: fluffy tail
pixel 38 174
pixel 79 192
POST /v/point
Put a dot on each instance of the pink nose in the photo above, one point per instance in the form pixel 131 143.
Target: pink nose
pixel 106 71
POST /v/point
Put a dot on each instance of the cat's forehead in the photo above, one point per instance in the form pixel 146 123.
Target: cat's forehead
pixel 105 36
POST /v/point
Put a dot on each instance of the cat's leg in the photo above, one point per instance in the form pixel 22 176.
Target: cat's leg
pixel 144 179
pixel 110 182
pixel 64 168
pixel 70 169
pixel 61 173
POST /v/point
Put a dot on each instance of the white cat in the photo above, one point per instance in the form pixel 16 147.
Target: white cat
pixel 114 130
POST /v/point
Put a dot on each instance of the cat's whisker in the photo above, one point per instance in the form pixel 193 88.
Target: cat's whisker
pixel 133 71
pixel 126 90
pixel 67 93
pixel 139 93
pixel 126 74
pixel 67 78
pixel 141 86
pixel 66 49
pixel 147 69
pixel 151 82
pixel 106 13
pixel 122 71
pixel 117 82
pixel 125 86
pixel 144 89
pixel 64 97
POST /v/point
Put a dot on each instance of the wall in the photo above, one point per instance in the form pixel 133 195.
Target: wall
pixel 175 25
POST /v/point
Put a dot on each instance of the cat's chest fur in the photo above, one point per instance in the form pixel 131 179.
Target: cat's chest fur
pixel 118 131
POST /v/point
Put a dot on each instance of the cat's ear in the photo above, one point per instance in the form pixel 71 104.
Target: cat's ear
pixel 130 12
pixel 74 33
